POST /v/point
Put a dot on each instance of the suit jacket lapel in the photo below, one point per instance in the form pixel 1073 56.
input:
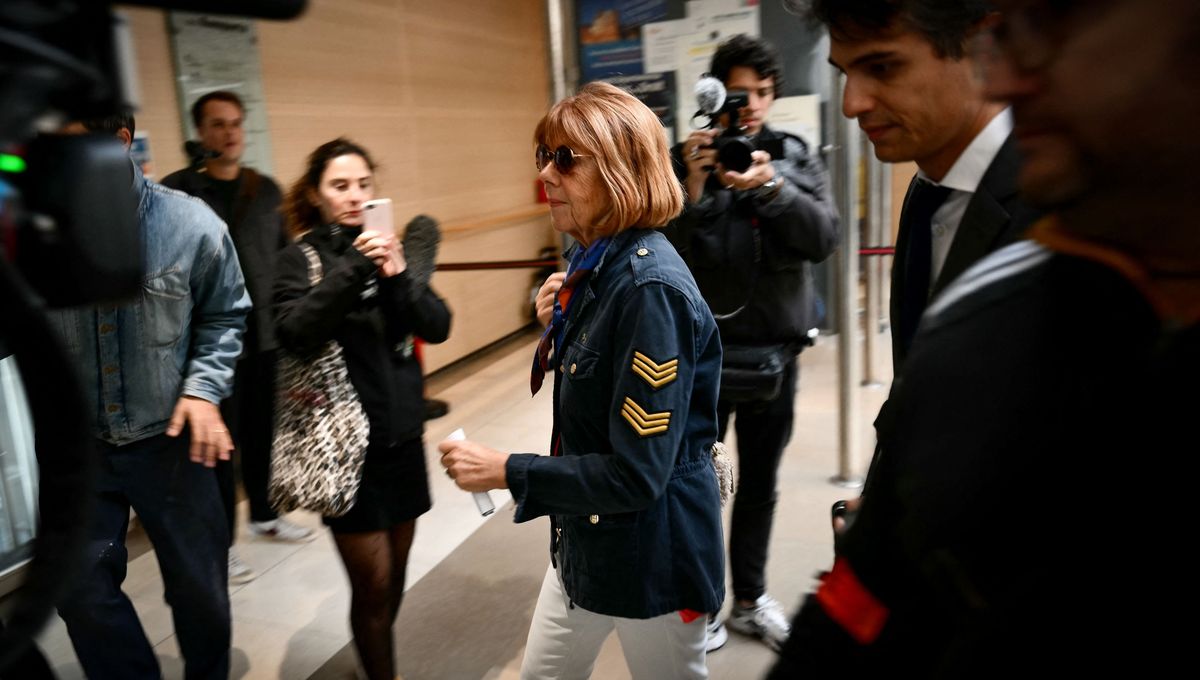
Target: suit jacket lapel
pixel 986 218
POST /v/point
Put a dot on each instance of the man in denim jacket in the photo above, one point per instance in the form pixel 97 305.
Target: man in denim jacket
pixel 152 368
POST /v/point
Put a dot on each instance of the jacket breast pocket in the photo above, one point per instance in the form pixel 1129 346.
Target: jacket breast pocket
pixel 164 307
pixel 579 362
pixel 583 392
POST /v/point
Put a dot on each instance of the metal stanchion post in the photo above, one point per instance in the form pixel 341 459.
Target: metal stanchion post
pixel 844 164
pixel 874 231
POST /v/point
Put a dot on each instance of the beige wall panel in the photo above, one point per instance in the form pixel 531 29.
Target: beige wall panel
pixel 444 94
pixel 490 304
pixel 159 114
pixel 902 174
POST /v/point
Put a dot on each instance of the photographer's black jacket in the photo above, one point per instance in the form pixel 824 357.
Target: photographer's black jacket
pixel 256 225
pixel 753 254
pixel 373 319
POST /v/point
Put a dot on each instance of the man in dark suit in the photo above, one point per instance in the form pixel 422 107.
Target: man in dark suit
pixel 914 88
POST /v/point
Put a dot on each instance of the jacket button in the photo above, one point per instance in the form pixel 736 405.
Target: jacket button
pixel 642 252
pixel 573 367
pixel 594 519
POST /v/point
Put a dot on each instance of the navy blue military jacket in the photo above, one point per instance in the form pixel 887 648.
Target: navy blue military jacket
pixel 632 493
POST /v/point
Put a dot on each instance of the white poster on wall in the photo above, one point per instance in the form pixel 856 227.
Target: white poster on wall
pixel 660 51
pixel 696 8
pixel 221 53
pixel 801 116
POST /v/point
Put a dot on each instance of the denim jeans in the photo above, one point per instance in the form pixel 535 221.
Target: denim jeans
pixel 178 504
pixel 763 430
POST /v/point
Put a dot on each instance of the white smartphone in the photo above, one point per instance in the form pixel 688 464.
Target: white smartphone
pixel 483 501
pixel 378 217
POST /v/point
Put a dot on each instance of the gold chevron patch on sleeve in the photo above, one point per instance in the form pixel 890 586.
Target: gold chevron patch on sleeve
pixel 654 373
pixel 645 424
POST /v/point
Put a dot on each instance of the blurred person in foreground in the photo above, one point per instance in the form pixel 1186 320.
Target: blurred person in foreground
pixel 750 238
pixel 155 369
pixel 249 203
pixel 991 540
pixel 368 303
pixel 630 487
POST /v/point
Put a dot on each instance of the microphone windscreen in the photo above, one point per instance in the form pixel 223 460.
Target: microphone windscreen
pixel 710 94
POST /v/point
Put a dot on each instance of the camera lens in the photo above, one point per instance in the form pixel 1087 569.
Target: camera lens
pixel 735 153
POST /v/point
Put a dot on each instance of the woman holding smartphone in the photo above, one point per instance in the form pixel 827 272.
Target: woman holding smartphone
pixel 366 301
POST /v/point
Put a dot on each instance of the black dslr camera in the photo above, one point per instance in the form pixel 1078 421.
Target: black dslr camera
pixel 734 148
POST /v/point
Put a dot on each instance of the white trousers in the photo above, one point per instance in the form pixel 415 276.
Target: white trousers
pixel 564 641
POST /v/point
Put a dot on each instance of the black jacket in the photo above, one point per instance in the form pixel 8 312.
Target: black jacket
pixel 1001 531
pixel 995 217
pixel 256 225
pixel 373 319
pixel 768 278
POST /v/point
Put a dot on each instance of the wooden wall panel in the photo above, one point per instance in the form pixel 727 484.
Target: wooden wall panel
pixel 445 95
pixel 902 174
pixel 485 301
pixel 159 114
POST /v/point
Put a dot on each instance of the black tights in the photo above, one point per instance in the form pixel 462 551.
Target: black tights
pixel 376 562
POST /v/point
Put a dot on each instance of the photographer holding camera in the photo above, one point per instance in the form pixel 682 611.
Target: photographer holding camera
pixel 749 238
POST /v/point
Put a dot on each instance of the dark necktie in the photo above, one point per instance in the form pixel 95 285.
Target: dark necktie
pixel 926 198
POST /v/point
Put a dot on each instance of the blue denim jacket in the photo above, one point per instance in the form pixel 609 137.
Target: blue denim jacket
pixel 633 497
pixel 180 335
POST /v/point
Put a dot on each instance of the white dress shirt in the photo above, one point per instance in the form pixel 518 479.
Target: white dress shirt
pixel 964 177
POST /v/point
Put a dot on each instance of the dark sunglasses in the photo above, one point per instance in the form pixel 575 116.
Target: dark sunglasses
pixel 563 157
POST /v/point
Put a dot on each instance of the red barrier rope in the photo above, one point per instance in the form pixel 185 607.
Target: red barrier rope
pixel 500 264
pixel 877 250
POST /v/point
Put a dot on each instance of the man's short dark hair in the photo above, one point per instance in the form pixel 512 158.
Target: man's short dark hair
pixel 945 25
pixel 742 50
pixel 218 96
pixel 110 124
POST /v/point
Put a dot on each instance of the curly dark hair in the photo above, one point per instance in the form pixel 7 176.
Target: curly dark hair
pixel 945 25
pixel 301 214
pixel 742 50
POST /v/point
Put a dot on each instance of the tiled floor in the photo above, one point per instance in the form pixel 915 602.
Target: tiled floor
pixel 292 619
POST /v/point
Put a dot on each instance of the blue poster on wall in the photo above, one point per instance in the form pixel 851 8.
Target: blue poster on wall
pixel 610 35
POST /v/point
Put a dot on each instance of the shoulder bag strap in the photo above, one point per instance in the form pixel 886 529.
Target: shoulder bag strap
pixel 314 264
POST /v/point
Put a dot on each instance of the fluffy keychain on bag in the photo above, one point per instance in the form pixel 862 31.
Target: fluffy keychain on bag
pixel 723 465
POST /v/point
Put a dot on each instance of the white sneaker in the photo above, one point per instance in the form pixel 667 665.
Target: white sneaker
pixel 282 530
pixel 239 572
pixel 717 635
pixel 765 620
